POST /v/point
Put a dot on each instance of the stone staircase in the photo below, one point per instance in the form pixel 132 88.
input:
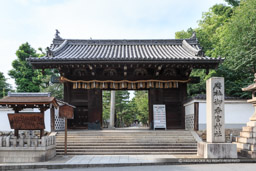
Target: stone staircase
pixel 125 142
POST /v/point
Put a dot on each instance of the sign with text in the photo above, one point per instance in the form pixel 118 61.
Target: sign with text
pixel 26 121
pixel 159 113
pixel 66 111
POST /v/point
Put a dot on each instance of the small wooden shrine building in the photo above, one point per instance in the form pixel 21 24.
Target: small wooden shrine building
pixel 20 120
pixel 162 67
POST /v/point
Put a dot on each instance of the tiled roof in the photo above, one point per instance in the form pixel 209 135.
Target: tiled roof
pixel 27 98
pixel 125 50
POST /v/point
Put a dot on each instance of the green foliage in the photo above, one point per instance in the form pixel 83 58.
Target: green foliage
pixel 127 111
pixel 56 89
pixel 26 78
pixel 184 34
pixel 4 86
pixel 230 32
pixel 122 109
pixel 141 101
pixel 106 105
pixel 234 3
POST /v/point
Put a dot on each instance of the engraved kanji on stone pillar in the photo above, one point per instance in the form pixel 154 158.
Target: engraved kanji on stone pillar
pixel 215 110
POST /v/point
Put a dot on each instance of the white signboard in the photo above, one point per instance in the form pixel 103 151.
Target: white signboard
pixel 159 116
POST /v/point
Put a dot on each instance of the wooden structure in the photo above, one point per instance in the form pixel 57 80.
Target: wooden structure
pixel 66 111
pixel 28 121
pixel 162 67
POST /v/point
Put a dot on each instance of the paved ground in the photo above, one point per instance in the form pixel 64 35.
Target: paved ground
pixel 121 162
pixel 112 159
pixel 198 167
pixel 106 159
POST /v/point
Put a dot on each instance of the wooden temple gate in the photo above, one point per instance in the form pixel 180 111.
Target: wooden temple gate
pixel 162 67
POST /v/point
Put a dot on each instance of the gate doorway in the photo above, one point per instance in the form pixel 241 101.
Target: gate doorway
pixel 131 109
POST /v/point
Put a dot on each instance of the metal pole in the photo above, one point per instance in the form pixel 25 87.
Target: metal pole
pixel 66 127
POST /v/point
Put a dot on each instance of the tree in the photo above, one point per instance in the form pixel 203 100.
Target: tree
pixel 237 44
pixel 26 78
pixel 4 86
pixel 106 105
pixel 141 101
pixel 234 3
pixel 56 89
pixel 127 111
pixel 226 31
pixel 123 117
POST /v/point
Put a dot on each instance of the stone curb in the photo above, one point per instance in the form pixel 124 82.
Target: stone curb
pixel 160 162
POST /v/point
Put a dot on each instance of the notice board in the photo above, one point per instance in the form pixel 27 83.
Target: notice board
pixel 26 121
pixel 159 114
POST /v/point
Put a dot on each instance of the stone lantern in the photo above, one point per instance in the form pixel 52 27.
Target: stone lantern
pixel 252 88
pixel 246 143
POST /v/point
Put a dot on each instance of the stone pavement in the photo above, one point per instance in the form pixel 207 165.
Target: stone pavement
pixel 112 159
pixel 93 161
pixel 85 161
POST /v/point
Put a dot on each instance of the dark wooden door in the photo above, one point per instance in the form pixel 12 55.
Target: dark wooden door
pixel 78 98
pixel 173 103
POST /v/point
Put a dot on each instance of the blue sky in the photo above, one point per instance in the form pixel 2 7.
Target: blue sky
pixel 35 21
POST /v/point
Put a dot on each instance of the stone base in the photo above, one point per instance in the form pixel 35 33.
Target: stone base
pixel 217 150
pixel 247 153
pixel 26 154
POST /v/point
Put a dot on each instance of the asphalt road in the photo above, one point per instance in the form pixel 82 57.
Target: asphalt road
pixel 198 167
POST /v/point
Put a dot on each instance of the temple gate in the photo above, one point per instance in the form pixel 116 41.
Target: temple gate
pixel 162 67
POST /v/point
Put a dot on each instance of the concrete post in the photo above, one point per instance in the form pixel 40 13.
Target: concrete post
pixel 112 109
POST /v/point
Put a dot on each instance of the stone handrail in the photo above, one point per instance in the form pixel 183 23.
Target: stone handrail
pixel 12 141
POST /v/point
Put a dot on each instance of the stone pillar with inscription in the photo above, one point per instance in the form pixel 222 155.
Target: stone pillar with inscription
pixel 215 110
pixel 215 146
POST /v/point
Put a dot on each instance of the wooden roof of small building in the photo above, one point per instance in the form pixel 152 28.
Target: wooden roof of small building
pixel 64 51
pixel 28 99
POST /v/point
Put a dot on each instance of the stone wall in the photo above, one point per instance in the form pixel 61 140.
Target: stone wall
pixel 189 117
pixel 26 149
pixel 189 122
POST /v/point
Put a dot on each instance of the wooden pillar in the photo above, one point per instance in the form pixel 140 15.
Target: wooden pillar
pixel 16 131
pixel 42 109
pixel 66 135
pixel 95 106
pixel 196 115
pixel 183 97
pixel 52 119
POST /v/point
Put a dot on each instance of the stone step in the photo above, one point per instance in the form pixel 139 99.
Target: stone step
pixel 127 147
pixel 124 139
pixel 136 136
pixel 249 129
pixel 130 136
pixel 125 133
pixel 128 153
pixel 135 141
pixel 247 134
pixel 128 144
pixel 127 150
pixel 246 140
